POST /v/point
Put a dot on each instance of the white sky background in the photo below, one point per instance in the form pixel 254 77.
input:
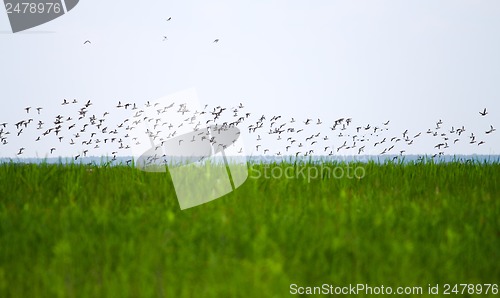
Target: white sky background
pixel 411 62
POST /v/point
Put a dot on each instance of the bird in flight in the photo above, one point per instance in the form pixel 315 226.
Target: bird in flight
pixel 484 112
pixel 165 38
pixel 216 41
pixel 87 41
pixel 491 130
pixel 170 18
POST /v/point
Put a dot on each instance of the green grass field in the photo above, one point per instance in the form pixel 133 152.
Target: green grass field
pixel 80 231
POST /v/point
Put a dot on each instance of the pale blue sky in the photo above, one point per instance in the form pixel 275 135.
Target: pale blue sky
pixel 413 62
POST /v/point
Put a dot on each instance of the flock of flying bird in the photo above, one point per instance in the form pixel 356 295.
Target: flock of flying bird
pixel 304 137
pixel 78 127
pixel 343 137
pixel 274 135
pixel 165 38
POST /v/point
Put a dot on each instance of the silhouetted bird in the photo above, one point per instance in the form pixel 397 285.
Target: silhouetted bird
pixel 491 130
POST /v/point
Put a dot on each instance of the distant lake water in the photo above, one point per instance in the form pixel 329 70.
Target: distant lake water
pixel 124 160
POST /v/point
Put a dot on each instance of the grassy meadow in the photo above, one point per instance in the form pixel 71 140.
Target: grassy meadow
pixel 88 231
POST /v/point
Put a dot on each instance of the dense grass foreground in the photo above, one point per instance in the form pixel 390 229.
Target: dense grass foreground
pixel 78 231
